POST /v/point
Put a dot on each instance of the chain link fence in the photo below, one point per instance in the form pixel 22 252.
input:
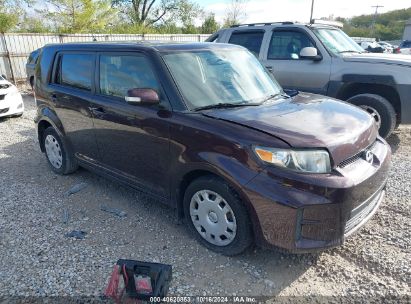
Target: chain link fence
pixel 15 48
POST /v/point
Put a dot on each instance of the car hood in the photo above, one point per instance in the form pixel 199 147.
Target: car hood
pixel 308 121
pixel 383 58
pixel 9 89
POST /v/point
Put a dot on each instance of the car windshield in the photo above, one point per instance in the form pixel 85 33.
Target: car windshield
pixel 220 77
pixel 336 41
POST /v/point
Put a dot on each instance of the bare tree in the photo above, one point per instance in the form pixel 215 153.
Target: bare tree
pixel 235 12
pixel 146 12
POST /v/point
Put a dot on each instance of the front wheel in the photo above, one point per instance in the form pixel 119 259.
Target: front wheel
pixel 216 215
pixel 380 109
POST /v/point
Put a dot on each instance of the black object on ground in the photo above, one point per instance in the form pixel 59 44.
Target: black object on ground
pixel 160 275
pixel 66 216
pixel 76 188
pixel 115 211
pixel 78 234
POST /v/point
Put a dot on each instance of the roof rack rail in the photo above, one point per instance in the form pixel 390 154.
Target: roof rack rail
pixel 262 23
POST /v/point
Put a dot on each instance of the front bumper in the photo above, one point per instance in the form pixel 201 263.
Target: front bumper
pixel 303 212
pixel 11 104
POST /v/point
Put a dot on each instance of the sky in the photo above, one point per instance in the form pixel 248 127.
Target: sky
pixel 299 10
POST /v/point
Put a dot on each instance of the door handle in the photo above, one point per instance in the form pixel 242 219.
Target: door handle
pixel 269 68
pixel 97 110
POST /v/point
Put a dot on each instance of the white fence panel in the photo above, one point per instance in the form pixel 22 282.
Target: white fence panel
pixel 15 48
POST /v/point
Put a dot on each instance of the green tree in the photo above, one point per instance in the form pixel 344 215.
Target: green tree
pixel 10 13
pixel 33 24
pixel 388 26
pixel 80 16
pixel 186 14
pixel 210 25
pixel 8 21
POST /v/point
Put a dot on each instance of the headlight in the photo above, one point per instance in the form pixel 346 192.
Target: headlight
pixel 311 161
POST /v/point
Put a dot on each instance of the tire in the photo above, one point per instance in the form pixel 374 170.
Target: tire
pixel 230 214
pixel 383 109
pixel 54 146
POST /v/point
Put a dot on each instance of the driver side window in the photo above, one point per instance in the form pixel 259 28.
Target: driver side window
pixel 287 45
pixel 120 73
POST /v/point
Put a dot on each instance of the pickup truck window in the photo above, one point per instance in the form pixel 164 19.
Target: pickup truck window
pixel 120 73
pixel 287 45
pixel 251 40
pixel 76 70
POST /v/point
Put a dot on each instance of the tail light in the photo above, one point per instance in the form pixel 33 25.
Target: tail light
pixel 397 50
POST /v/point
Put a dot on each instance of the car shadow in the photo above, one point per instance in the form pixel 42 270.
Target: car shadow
pixel 394 141
pixel 256 272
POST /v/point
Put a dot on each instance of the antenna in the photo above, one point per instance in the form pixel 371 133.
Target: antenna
pixel 312 10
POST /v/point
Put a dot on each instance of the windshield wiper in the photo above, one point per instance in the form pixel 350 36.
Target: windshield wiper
pixel 225 105
pixel 349 51
pixel 272 96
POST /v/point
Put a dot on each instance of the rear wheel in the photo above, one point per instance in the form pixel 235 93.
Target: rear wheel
pixel 380 109
pixel 60 160
pixel 216 215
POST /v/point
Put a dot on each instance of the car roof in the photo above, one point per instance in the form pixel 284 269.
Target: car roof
pixel 265 25
pixel 160 46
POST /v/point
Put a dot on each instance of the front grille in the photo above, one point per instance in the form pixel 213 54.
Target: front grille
pixel 356 157
pixel 361 212
pixel 2 111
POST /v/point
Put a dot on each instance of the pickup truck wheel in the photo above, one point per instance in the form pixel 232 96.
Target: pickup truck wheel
pixel 60 160
pixel 379 108
pixel 215 214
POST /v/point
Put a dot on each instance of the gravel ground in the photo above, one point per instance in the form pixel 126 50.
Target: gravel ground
pixel 38 260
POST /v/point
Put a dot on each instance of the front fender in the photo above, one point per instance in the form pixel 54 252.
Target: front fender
pixel 234 172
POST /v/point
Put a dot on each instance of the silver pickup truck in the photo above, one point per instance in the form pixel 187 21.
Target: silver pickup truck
pixel 322 59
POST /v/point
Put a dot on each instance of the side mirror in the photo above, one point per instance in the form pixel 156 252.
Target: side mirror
pixel 142 97
pixel 310 53
pixel 4 76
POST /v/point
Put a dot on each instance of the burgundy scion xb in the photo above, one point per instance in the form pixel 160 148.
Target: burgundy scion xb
pixel 205 128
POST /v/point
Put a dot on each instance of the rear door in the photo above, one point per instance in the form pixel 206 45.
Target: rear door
pixel 281 55
pixel 133 139
pixel 71 95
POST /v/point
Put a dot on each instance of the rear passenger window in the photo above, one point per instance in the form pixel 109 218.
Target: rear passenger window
pixel 120 73
pixel 76 70
pixel 251 40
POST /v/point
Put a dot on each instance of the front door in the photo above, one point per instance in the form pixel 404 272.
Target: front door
pixel 282 57
pixel 133 139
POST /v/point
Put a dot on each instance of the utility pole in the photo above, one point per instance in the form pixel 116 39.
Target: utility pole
pixel 312 10
pixel 375 17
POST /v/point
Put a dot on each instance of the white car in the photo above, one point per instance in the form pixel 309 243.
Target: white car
pixel 388 48
pixel 11 102
pixel 404 48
